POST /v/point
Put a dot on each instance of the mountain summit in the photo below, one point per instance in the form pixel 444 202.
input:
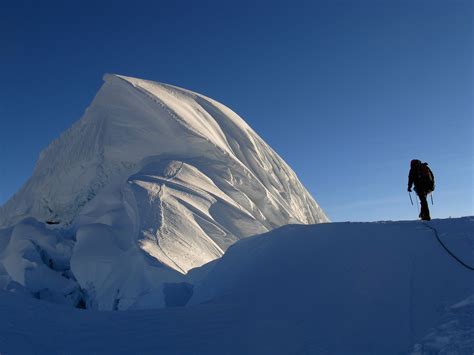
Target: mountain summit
pixel 156 178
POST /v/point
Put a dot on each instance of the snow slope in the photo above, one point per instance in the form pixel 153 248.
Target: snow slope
pixel 378 288
pixel 151 182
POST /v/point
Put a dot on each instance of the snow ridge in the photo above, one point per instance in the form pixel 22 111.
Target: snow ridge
pixel 334 288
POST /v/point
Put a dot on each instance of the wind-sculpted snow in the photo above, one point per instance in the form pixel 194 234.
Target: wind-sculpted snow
pixel 153 181
pixel 335 288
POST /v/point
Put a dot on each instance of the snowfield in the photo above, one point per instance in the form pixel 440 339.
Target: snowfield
pixel 379 288
pixel 150 183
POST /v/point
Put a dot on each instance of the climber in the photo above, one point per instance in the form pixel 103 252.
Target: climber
pixel 422 177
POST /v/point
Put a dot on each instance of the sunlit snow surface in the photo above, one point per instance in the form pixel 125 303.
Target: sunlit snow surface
pixel 153 181
pixel 338 288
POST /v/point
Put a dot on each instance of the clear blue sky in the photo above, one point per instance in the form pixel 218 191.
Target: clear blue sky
pixel 347 92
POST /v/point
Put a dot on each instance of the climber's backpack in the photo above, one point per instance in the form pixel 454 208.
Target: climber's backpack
pixel 426 177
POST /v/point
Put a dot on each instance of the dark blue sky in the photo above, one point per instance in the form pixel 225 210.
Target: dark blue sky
pixel 347 92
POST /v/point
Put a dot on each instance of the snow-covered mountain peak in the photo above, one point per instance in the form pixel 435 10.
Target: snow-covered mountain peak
pixel 153 170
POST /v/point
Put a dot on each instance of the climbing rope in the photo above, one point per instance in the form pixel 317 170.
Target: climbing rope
pixel 445 248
